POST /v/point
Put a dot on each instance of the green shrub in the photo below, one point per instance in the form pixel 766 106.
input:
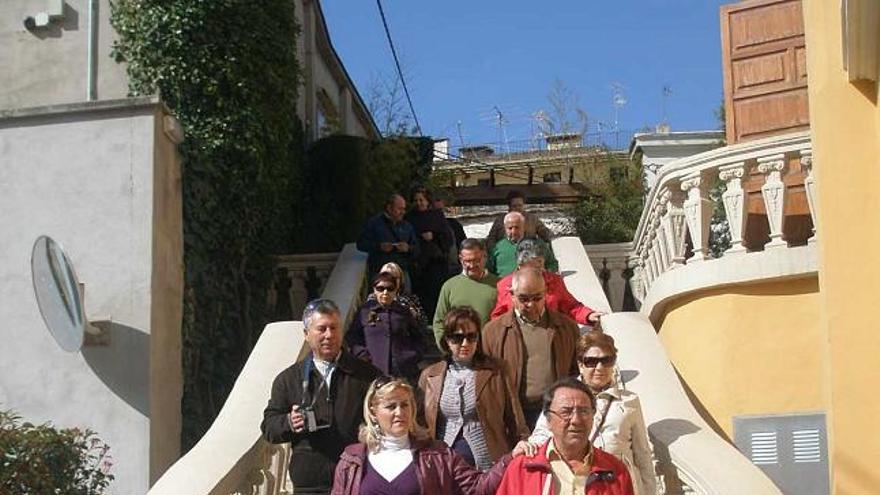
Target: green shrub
pixel 41 459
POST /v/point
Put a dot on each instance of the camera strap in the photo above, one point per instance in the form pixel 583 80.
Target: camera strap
pixel 309 399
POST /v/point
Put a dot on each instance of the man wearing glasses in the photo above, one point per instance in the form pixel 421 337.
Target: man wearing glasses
pixel 316 404
pixel 537 343
pixel 567 462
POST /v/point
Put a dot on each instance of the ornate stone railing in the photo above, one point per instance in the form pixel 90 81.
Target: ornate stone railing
pixel 675 226
pixel 611 263
pixel 232 457
pixel 298 279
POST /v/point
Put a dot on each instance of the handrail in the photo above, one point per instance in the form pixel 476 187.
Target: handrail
pixel 232 457
pixel 687 450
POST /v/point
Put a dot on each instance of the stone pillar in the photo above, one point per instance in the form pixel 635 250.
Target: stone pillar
pixel 810 189
pixel 698 213
pixel 674 221
pixel 660 228
pixel 774 192
pixel 735 205
pixel 616 282
pixel 636 282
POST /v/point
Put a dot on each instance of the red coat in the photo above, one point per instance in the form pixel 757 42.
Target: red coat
pixel 557 298
pixel 528 475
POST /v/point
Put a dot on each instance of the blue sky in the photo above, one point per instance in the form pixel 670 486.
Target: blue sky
pixel 463 58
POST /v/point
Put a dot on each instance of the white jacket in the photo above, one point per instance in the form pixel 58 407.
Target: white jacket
pixel 623 434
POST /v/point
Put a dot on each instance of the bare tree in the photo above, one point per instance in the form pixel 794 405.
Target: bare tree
pixel 386 102
pixel 564 115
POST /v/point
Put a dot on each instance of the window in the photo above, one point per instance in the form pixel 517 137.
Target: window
pixel 553 177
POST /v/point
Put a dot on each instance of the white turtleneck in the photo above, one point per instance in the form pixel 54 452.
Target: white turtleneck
pixel 394 455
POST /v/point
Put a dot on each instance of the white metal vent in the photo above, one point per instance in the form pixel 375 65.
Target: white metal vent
pixel 790 448
pixel 806 446
pixel 764 447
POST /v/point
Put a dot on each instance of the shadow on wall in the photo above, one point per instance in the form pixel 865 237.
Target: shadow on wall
pixel 669 430
pixel 123 364
pixel 56 30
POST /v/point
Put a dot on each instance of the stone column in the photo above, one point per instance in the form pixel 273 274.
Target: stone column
pixel 698 213
pixel 735 205
pixel 674 221
pixel 616 282
pixel 638 274
pixel 660 228
pixel 810 188
pixel 774 192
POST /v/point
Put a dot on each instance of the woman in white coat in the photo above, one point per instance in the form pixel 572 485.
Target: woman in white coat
pixel 618 424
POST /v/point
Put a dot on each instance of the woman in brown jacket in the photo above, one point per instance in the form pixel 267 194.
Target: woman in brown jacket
pixel 468 400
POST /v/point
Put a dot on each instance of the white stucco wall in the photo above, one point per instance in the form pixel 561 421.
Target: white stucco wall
pixel 48 66
pixel 85 176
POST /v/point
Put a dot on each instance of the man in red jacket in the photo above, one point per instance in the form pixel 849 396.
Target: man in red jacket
pixel 567 463
pixel 558 298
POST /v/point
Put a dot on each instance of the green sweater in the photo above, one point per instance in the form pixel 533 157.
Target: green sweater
pixel 502 260
pixel 461 290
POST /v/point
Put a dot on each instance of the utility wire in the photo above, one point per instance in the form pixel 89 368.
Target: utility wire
pixel 397 63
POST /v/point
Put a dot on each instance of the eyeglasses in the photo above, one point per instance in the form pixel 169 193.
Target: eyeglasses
pixel 384 288
pixel 566 413
pixel 527 298
pixel 458 338
pixel 592 362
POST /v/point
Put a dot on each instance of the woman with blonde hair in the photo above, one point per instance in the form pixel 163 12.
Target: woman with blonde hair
pixel 395 454
pixel 404 294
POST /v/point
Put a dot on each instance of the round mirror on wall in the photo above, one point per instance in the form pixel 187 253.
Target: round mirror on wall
pixel 57 291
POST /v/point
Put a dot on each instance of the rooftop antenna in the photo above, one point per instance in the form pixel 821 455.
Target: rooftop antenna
pixel 502 132
pixel 460 138
pixel 667 92
pixel 618 99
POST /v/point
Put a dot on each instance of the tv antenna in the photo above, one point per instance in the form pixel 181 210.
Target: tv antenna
pixel 618 99
pixel 667 92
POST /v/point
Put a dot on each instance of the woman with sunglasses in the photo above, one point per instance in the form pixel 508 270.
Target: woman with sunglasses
pixel 618 424
pixel 396 455
pixel 385 333
pixel 469 404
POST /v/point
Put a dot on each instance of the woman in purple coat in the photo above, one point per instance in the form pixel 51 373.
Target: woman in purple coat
pixel 385 333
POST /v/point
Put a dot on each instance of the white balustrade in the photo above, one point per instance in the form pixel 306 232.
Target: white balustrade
pixel 679 206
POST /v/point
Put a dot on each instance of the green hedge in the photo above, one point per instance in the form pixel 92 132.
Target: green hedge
pixel 43 459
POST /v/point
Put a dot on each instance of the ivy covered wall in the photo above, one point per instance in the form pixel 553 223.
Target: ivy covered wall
pixel 228 70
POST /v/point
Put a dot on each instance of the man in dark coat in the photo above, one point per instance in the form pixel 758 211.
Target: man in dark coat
pixel 317 404
pixel 387 237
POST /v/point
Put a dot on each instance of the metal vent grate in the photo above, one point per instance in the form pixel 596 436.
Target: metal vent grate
pixel 806 446
pixel 764 448
pixel 790 449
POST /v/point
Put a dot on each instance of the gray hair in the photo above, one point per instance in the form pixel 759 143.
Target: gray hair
pixel 529 249
pixel 523 273
pixel 320 306
pixel 515 215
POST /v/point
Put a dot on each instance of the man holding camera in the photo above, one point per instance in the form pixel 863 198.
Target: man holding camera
pixel 317 403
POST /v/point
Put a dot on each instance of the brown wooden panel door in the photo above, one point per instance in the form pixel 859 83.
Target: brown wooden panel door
pixel 765 74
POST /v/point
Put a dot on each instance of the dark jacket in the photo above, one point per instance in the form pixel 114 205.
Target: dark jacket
pixel 379 229
pixel 498 408
pixel 389 337
pixel 441 471
pixel 502 338
pixel 437 249
pixel 314 454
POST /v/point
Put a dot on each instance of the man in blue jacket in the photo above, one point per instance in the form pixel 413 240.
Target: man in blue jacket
pixel 387 237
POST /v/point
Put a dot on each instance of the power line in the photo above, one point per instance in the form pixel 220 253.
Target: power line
pixel 397 63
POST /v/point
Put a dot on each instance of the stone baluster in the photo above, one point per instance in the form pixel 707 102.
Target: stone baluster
pixel 810 188
pixel 660 228
pixel 652 255
pixel 735 205
pixel 616 282
pixel 698 213
pixel 636 282
pixel 674 221
pixel 774 193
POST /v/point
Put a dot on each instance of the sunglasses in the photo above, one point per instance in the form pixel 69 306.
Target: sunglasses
pixel 384 288
pixel 592 362
pixel 458 338
pixel 527 298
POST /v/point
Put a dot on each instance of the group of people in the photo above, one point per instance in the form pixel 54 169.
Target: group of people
pixel 522 401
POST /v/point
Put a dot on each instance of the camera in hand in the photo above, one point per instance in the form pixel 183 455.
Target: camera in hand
pixel 311 420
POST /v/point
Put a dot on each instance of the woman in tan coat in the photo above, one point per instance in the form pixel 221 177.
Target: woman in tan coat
pixel 468 400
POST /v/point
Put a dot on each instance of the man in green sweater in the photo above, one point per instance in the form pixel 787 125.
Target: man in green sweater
pixel 502 259
pixel 474 286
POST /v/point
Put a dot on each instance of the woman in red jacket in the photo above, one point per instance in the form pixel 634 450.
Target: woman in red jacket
pixel 395 455
pixel 529 253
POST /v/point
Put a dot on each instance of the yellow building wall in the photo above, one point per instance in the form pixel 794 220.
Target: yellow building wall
pixel 846 155
pixel 752 349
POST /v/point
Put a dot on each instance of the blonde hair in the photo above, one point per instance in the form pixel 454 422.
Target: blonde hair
pixel 395 271
pixel 370 432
